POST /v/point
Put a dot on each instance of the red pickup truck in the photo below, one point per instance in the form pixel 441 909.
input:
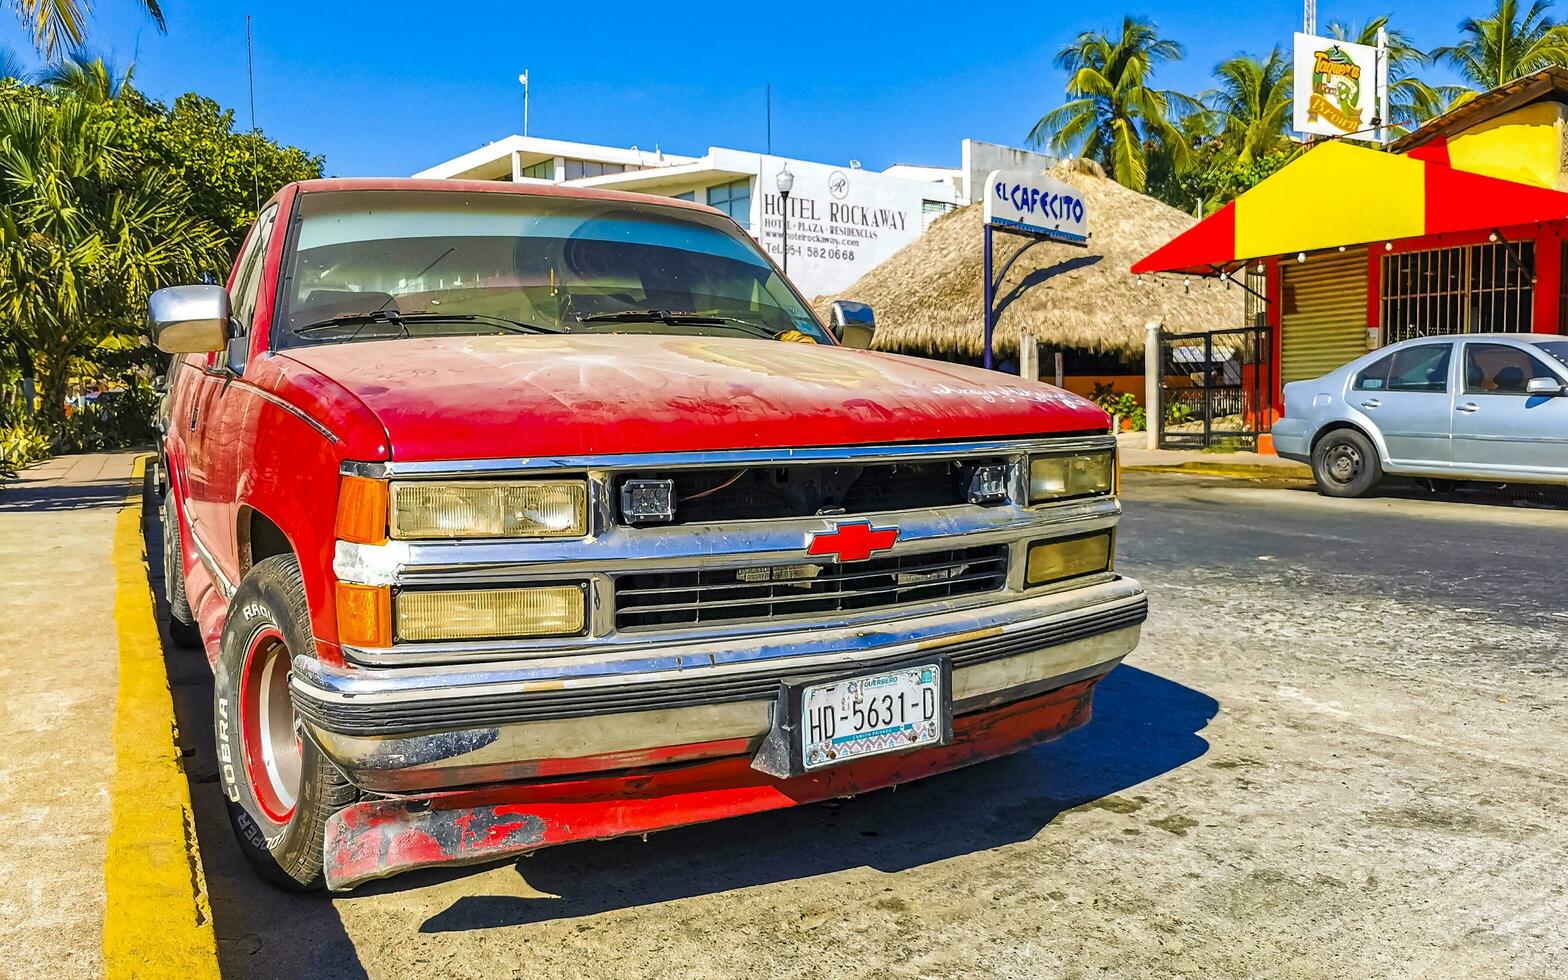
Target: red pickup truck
pixel 513 515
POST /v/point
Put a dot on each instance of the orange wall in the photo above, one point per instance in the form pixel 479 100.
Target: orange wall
pixel 1083 384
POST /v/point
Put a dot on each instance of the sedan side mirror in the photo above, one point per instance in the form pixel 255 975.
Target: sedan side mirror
pixel 189 319
pixel 1543 386
pixel 853 324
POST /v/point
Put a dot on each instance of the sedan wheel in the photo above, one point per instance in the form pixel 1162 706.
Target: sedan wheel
pixel 1345 464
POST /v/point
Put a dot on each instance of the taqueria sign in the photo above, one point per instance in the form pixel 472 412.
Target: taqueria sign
pixel 1340 88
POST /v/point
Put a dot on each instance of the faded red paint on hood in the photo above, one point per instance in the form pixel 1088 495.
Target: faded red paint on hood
pixel 505 396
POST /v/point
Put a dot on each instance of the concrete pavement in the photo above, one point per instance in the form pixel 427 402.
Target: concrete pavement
pixel 1135 455
pixel 58 681
pixel 96 876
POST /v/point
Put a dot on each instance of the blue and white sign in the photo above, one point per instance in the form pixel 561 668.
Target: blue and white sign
pixel 1034 204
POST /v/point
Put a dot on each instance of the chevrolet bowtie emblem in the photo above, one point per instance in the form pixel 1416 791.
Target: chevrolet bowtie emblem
pixel 852 542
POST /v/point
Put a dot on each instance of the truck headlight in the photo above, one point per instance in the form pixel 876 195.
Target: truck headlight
pixel 1074 475
pixel 483 614
pixel 1065 558
pixel 535 509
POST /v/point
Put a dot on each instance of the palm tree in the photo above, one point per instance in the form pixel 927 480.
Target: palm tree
pixel 60 24
pixel 90 79
pixel 1114 114
pixel 1411 101
pixel 12 67
pixel 1498 49
pixel 1251 105
pixel 84 234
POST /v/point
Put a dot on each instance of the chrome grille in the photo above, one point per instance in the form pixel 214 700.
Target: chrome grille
pixel 731 595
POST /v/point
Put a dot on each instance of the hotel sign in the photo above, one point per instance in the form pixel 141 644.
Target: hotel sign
pixel 1340 89
pixel 843 221
pixel 1033 204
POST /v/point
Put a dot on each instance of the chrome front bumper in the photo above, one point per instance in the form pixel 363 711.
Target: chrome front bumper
pixel 414 728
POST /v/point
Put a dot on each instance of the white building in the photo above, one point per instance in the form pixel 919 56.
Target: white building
pixel 843 220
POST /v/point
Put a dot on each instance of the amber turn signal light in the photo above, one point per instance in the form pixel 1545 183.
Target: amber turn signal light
pixel 362 510
pixel 364 615
pixel 1062 559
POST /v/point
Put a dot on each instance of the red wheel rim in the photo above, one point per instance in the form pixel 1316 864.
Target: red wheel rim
pixel 271 739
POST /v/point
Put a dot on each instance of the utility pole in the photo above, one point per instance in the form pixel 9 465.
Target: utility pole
pixel 1380 97
pixel 523 79
pixel 1309 17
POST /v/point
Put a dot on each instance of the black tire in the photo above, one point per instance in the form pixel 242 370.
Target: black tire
pixel 269 619
pixel 1345 464
pixel 182 622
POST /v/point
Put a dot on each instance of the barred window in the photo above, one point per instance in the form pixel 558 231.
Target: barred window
pixel 1472 289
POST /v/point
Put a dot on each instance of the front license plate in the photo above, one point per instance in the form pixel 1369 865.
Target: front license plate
pixel 865 716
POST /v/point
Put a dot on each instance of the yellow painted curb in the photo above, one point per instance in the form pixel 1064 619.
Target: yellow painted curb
pixel 157 921
pixel 1243 471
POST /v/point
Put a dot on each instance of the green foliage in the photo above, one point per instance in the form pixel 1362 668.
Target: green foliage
pixel 124 417
pixel 104 197
pixel 61 25
pixel 22 443
pixel 87 230
pixel 1506 45
pixel 1215 176
pixel 1114 113
pixel 1411 101
pixel 224 172
pixel 1123 405
pixel 1251 106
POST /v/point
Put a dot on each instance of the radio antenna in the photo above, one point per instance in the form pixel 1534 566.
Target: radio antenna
pixel 255 161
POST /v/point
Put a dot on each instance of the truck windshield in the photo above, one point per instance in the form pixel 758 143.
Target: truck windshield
pixel 373 265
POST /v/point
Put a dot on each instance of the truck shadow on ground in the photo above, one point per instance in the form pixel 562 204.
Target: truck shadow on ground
pixel 1144 725
pixel 260 930
pixel 27 496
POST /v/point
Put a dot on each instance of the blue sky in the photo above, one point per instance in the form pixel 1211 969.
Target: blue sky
pixel 388 88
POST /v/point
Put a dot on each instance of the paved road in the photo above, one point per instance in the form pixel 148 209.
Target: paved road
pixel 1337 753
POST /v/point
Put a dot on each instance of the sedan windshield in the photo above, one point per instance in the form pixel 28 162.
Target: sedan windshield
pixel 373 265
pixel 1557 349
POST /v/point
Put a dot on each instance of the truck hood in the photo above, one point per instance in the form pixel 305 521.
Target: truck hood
pixel 557 395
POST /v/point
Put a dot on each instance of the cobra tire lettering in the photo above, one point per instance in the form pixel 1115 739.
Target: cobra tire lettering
pixel 231 786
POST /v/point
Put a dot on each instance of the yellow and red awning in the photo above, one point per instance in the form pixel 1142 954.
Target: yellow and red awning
pixel 1338 194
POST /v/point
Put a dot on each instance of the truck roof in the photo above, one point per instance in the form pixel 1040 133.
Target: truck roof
pixel 325 184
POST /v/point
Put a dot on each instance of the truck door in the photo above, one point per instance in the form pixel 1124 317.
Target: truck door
pixel 217 413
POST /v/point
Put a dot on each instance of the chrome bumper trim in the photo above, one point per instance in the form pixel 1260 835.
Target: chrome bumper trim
pixel 729 457
pixel 668 661
pixel 392 717
pixel 665 736
pixel 397 730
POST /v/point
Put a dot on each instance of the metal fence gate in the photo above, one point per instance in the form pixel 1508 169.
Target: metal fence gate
pixel 1215 388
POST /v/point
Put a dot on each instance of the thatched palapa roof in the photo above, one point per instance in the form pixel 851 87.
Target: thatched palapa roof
pixel 927 297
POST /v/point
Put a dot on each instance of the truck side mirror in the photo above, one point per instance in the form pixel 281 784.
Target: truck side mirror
pixel 189 319
pixel 853 324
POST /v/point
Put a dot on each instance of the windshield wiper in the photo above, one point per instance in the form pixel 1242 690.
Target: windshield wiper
pixel 401 320
pixel 675 318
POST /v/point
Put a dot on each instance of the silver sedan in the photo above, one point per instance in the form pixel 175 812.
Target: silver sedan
pixel 1490 407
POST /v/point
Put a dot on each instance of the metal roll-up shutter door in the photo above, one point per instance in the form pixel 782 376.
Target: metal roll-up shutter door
pixel 1323 322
